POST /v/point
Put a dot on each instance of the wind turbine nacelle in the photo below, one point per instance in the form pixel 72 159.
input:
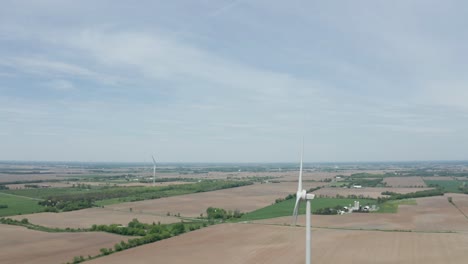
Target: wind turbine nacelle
pixel 310 196
pixel 302 194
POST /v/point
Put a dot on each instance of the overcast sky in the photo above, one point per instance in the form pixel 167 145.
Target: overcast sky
pixel 233 81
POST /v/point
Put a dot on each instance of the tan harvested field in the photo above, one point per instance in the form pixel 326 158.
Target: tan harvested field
pixel 278 175
pixel 430 214
pixel 21 245
pixel 320 175
pixel 461 201
pixel 151 184
pixel 87 217
pixel 254 243
pixel 372 192
pixel 245 199
pixel 66 184
pixel 211 175
pixel 130 184
pixel 404 181
pixel 438 178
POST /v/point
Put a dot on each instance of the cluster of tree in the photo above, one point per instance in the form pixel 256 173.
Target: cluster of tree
pixel 9 221
pixel 2 206
pixel 81 186
pixel 55 205
pixel 149 233
pixel 418 194
pixel 349 196
pixel 433 172
pixel 3 187
pixel 136 228
pixel 463 188
pixel 369 175
pixel 450 200
pixel 328 210
pixel 38 181
pixel 25 222
pixel 118 229
pixel 79 259
pixel 135 242
pixel 288 197
pixel 32 186
pixel 167 180
pixel 220 213
pixel 366 182
pixel 80 200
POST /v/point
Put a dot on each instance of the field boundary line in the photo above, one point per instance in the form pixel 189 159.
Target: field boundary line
pixel 453 203
pixel 21 196
pixel 137 212
pixel 362 229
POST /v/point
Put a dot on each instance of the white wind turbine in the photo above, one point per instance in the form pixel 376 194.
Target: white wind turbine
pixel 154 170
pixel 303 195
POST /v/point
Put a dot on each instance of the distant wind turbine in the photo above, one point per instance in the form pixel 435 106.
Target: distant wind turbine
pixel 303 195
pixel 154 170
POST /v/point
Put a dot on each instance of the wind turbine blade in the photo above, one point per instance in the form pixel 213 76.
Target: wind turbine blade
pixel 154 161
pixel 299 185
pixel 296 209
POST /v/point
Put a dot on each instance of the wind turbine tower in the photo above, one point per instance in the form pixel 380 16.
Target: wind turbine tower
pixel 154 171
pixel 303 195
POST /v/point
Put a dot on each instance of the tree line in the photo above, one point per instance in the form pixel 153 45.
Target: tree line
pixel 149 233
pixel 76 201
pixel 400 196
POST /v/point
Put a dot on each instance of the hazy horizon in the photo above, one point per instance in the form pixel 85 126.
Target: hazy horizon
pixel 288 163
pixel 233 81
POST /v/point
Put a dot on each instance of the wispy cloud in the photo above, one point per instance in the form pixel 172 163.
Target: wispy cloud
pixel 61 85
pixel 53 68
pixel 45 66
pixel 250 76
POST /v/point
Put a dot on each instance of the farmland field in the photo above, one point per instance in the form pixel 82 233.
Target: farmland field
pixel 284 208
pixel 412 181
pixel 18 205
pixel 392 205
pixel 408 226
pixel 245 199
pixel 438 178
pixel 85 218
pixel 371 192
pixel 21 245
pixel 254 243
pixel 447 185
pixel 430 214
pixel 461 201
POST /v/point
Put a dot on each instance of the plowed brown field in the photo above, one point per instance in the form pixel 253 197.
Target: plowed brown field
pixel 430 214
pixel 404 181
pixel 87 217
pixel 253 243
pixel 21 245
pixel 246 199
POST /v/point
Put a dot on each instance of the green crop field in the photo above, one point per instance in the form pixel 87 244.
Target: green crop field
pixel 392 206
pixel 68 199
pixel 285 208
pixel 43 193
pixel 447 185
pixel 18 205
